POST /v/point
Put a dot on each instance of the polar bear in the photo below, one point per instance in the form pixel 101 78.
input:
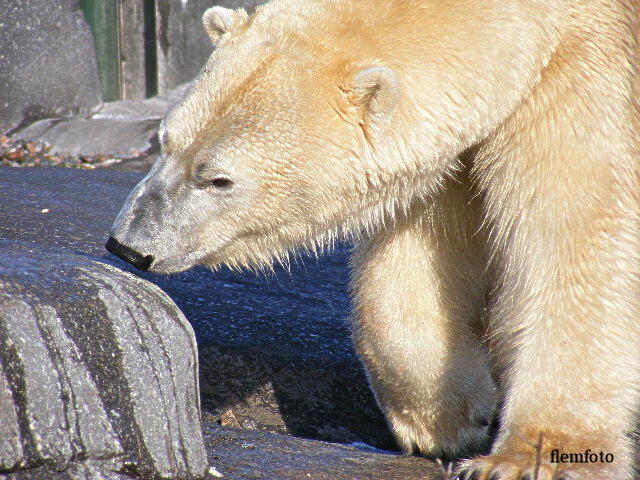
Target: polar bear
pixel 483 156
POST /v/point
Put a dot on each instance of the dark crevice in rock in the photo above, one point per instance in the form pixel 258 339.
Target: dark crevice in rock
pixel 105 367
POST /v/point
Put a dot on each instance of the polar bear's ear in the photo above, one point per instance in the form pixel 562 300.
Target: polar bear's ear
pixel 377 90
pixel 219 20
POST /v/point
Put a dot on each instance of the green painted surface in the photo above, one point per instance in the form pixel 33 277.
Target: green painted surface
pixel 102 16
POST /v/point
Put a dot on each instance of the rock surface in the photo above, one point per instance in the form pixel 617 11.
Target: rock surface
pixel 243 455
pixel 276 350
pixel 47 61
pixel 121 129
pixel 98 368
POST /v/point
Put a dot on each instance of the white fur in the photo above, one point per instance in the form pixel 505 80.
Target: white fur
pixel 484 157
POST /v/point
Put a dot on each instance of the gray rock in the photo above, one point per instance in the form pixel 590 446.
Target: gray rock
pixel 245 455
pixel 47 61
pixel 78 136
pixel 275 350
pixel 122 129
pixel 91 469
pixel 98 368
pixel 154 107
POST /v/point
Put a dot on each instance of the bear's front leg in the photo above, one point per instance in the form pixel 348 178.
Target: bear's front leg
pixel 560 188
pixel 564 332
pixel 418 288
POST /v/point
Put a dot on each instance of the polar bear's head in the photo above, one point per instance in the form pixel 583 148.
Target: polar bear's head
pixel 273 147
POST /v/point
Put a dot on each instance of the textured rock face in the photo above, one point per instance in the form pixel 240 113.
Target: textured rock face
pixel 48 65
pixel 98 369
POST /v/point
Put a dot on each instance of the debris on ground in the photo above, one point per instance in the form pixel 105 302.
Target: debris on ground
pixel 229 419
pixel 21 153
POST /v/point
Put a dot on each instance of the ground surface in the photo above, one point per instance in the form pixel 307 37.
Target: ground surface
pixel 245 455
pixel 276 351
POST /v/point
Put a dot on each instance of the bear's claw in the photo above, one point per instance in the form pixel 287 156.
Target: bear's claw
pixel 494 467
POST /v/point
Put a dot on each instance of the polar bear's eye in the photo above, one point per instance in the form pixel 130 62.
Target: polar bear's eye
pixel 217 180
pixel 222 183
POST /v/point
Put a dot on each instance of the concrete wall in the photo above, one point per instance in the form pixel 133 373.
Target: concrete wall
pixel 182 44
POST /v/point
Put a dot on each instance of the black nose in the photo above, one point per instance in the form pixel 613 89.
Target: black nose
pixel 143 262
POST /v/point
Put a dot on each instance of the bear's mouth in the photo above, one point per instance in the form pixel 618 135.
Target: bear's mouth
pixel 168 266
pixel 177 264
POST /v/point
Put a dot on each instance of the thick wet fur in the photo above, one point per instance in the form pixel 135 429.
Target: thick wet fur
pixel 484 157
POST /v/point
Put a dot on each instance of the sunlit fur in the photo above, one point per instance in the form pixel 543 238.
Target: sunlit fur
pixel 491 185
pixel 288 75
